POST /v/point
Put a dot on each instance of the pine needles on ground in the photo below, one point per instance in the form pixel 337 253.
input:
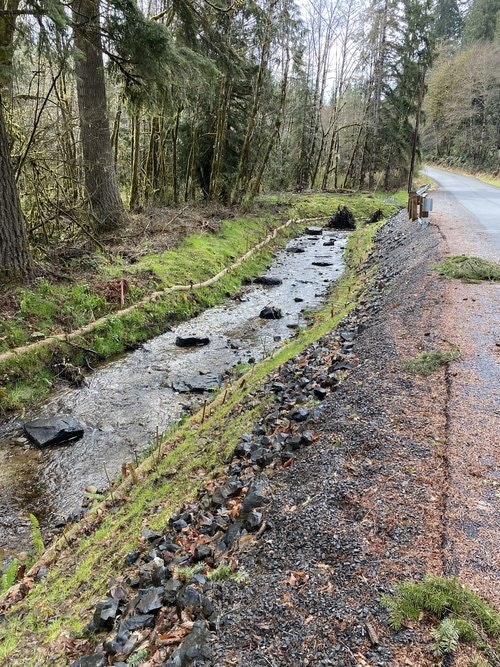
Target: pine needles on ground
pixel 426 363
pixel 469 269
pixel 464 616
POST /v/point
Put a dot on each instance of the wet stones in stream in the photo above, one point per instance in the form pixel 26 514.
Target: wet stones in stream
pixel 57 430
pixel 313 231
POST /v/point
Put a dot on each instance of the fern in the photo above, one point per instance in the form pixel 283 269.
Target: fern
pixel 446 637
pixel 36 536
pixel 9 575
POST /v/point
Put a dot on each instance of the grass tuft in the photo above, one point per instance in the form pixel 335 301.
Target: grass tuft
pixel 469 269
pixel 426 363
pixel 462 614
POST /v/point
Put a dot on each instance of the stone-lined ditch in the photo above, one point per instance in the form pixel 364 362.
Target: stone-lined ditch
pixel 123 403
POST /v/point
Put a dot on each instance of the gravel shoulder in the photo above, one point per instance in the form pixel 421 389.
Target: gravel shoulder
pixel 364 506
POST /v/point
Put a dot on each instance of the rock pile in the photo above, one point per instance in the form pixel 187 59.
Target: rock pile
pixel 163 603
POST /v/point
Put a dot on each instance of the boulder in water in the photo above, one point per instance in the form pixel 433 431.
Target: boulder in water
pixel 47 431
pixel 271 313
pixel 191 341
pixel 197 384
pixel 269 281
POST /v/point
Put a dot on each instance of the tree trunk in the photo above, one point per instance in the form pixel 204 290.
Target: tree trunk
pixel 100 176
pixel 15 260
pixel 135 161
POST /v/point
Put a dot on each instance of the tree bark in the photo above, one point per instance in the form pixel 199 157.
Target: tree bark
pixel 15 260
pixel 100 176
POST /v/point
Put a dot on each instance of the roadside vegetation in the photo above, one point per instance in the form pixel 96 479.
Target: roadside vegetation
pixel 470 269
pixel 426 363
pixel 455 611
pixel 88 554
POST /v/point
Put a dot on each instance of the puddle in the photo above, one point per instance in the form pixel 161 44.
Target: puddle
pixel 125 401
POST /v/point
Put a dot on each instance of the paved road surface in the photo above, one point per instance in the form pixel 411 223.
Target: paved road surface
pixel 482 202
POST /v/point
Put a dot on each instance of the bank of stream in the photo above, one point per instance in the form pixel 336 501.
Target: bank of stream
pixel 124 403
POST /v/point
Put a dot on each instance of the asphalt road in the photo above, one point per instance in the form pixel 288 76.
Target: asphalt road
pixel 481 201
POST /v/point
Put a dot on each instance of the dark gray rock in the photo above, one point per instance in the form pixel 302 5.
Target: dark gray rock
pixel 56 430
pixel 191 341
pixel 203 552
pixel 295 249
pixel 256 497
pixel 172 587
pixel 300 415
pixel 150 600
pixel 269 281
pixel 197 384
pixel 271 313
pixel 104 615
pixel 94 660
pixel 321 262
pixel 314 231
pixel 194 649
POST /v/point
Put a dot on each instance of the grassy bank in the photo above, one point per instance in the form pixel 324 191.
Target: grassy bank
pixel 50 308
pixel 62 602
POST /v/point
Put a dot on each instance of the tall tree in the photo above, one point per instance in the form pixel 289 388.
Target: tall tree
pixel 481 21
pixel 448 22
pixel 99 166
pixel 15 259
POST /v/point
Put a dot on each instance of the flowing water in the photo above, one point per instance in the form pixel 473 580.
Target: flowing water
pixel 123 403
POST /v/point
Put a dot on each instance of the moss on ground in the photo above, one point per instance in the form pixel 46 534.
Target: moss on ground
pixel 194 452
pixel 29 377
pixel 469 269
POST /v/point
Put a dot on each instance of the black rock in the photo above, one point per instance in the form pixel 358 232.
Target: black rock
pixel 295 249
pixel 298 299
pixel 329 243
pixel 131 557
pixel 150 535
pixel 193 649
pixel 197 384
pixel 294 442
pixel 322 263
pixel 104 615
pixel 314 231
pixel 189 597
pixel 191 341
pixel 300 415
pixel 202 552
pixel 94 660
pixel 149 600
pixel 268 281
pixel 48 431
pixel 271 313
pixel 172 587
pixel 347 335
pixel 256 497
pixel 253 520
pixel 320 393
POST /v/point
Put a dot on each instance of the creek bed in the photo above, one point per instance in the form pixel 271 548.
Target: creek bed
pixel 123 403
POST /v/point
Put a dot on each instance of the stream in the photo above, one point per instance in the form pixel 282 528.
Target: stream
pixel 123 402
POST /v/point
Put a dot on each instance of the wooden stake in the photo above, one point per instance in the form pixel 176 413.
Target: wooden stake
pixel 133 473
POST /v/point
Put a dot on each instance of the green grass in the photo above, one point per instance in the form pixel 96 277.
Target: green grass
pixel 426 363
pixel 460 615
pixel 469 269
pixel 29 377
pixel 63 601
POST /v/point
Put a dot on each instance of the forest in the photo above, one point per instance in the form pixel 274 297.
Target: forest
pixel 110 108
